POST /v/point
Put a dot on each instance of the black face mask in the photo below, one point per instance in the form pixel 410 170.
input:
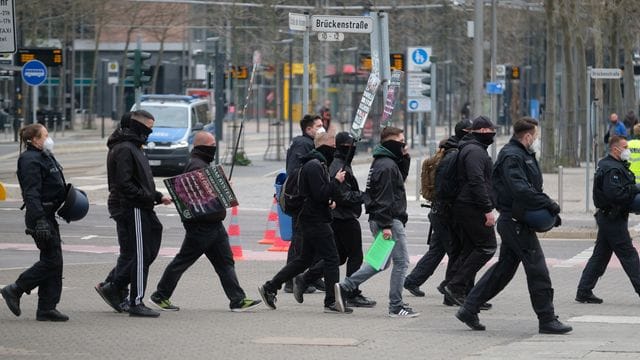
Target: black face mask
pixel 485 138
pixel 140 129
pixel 395 147
pixel 326 151
pixel 206 151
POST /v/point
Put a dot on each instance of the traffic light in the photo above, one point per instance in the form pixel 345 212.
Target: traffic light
pixel 426 81
pixel 515 72
pixel 137 69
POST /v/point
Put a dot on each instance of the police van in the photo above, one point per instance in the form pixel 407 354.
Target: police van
pixel 177 118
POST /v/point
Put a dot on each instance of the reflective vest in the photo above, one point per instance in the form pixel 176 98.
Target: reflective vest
pixel 634 147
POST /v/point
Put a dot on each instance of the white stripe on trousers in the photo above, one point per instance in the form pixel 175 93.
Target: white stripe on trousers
pixel 139 256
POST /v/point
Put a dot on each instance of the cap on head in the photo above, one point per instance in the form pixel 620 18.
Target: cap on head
pixel 482 122
pixel 344 138
pixel 460 128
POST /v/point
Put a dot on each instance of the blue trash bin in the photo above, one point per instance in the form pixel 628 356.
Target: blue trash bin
pixel 285 221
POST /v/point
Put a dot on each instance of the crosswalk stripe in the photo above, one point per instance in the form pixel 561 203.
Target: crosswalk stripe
pixel 576 260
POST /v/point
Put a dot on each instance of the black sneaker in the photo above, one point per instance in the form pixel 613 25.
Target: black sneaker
pixel 470 319
pixel 246 305
pixel 11 294
pixel 341 295
pixel 309 290
pixel 587 297
pixel 403 312
pixel 447 301
pixel 485 306
pixel 141 310
pixel 456 298
pixel 51 315
pixel 334 309
pixel 110 295
pixel 163 304
pixel 299 286
pixel 268 297
pixel 414 290
pixel 361 301
pixel 554 327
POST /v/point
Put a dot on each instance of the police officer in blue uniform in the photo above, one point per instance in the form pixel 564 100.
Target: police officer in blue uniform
pixel 614 189
pixel 43 192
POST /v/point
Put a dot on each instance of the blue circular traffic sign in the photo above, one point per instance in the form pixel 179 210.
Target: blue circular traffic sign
pixel 419 56
pixel 413 104
pixel 34 72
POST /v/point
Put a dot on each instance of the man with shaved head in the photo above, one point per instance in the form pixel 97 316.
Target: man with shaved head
pixel 204 235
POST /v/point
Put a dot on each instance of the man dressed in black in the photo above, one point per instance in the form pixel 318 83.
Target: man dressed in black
pixel 43 191
pixel 517 183
pixel 131 181
pixel 204 235
pixel 614 188
pixel 315 223
pixel 300 146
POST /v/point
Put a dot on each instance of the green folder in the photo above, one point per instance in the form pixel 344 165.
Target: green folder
pixel 379 252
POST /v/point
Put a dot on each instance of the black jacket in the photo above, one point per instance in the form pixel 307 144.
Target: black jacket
pixel 386 195
pixel 317 188
pixel 129 174
pixel 300 147
pixel 41 182
pixel 349 197
pixel 517 180
pixel 197 161
pixel 614 185
pixel 474 173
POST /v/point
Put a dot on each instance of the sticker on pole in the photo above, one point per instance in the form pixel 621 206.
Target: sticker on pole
pixel 390 101
pixel 34 72
pixel 365 106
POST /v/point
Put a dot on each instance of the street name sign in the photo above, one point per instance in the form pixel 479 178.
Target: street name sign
pixel 342 24
pixel 604 73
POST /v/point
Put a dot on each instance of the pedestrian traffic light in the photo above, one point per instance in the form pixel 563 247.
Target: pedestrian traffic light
pixel 515 72
pixel 137 69
pixel 426 81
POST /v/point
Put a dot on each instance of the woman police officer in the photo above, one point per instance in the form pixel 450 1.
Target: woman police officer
pixel 43 191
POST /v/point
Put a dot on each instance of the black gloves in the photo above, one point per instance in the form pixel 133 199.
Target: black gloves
pixel 42 231
pixel 558 221
pixel 554 208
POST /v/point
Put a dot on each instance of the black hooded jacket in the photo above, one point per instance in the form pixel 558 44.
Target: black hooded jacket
pixel 387 197
pixel 350 198
pixel 474 172
pixel 517 180
pixel 317 187
pixel 41 182
pixel 299 148
pixel 129 174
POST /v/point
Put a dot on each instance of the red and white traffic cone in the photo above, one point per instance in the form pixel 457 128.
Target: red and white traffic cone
pixel 234 235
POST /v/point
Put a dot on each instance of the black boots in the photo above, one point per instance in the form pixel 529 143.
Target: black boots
pixel 554 327
pixel 469 318
pixel 586 296
pixel 11 294
pixel 51 315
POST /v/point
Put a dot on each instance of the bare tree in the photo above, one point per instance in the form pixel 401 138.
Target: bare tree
pixel 549 121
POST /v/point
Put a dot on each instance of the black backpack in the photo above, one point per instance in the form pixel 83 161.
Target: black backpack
pixel 290 199
pixel 447 184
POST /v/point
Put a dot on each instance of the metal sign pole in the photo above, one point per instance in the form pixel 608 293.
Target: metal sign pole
pixel 588 141
pixel 385 70
pixel 305 76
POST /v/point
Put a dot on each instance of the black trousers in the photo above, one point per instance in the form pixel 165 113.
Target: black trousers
pixel 318 244
pixel 441 241
pixel 478 246
pixel 46 274
pixel 210 239
pixel 142 242
pixel 519 244
pixel 124 258
pixel 613 237
pixel 348 237
pixel 315 271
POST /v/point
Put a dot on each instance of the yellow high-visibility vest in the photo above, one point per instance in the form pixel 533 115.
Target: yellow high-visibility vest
pixel 634 147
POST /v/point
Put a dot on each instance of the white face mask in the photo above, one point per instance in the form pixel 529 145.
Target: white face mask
pixel 625 155
pixel 535 147
pixel 48 144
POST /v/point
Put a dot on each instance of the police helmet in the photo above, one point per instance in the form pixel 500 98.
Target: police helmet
pixel 539 220
pixel 75 206
pixel 635 205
